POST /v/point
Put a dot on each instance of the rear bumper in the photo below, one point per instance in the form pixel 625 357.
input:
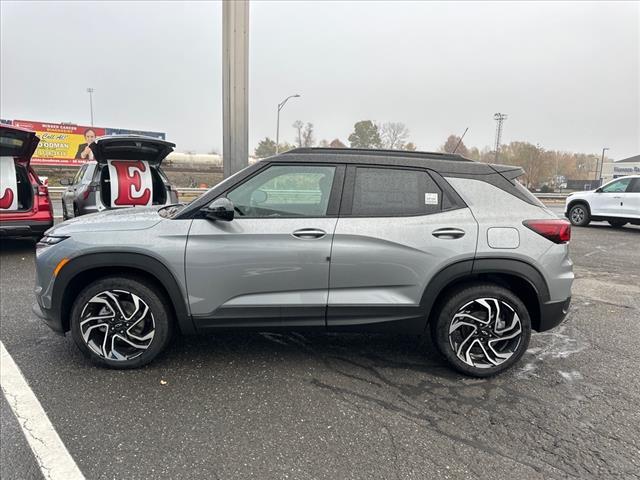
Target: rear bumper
pixel 48 316
pixel 553 313
pixel 24 228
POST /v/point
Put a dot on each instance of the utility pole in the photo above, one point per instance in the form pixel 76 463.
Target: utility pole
pixel 280 106
pixel 235 85
pixel 90 92
pixel 499 118
pixel 599 176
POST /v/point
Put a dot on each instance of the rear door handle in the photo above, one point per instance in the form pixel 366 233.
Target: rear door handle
pixel 448 233
pixel 309 233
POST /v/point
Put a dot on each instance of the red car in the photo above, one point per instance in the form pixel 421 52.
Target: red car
pixel 25 206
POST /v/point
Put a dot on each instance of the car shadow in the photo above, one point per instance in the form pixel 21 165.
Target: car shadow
pixel 17 245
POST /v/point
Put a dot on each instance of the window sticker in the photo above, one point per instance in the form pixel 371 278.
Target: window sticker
pixel 431 199
pixel 131 183
pixel 8 184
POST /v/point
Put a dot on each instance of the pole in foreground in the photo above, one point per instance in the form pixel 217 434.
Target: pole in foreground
pixel 235 83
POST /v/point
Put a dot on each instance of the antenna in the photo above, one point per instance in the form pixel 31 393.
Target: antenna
pixel 500 118
pixel 460 141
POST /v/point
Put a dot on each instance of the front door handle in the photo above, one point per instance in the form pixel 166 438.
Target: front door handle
pixel 448 233
pixel 309 233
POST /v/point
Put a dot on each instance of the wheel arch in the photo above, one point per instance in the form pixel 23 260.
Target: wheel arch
pixel 518 276
pixel 577 201
pixel 84 269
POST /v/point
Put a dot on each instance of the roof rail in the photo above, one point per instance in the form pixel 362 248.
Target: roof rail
pixel 378 152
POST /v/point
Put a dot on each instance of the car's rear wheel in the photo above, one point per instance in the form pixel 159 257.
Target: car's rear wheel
pixel 121 322
pixel 579 215
pixel 617 223
pixel 65 215
pixel 482 330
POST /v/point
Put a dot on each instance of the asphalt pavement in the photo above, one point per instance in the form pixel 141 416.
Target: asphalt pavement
pixel 275 406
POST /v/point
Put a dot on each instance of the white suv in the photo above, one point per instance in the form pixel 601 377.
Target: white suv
pixel 617 202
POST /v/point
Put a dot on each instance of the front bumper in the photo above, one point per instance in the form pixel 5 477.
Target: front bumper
pixel 552 314
pixel 49 317
pixel 24 228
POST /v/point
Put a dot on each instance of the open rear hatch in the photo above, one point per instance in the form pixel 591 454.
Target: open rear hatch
pixel 131 147
pixel 18 143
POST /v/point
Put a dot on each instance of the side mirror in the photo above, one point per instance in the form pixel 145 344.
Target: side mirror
pixel 220 209
pixel 66 181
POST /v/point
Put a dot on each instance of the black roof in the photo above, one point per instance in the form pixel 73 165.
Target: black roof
pixel 445 163
pixel 378 152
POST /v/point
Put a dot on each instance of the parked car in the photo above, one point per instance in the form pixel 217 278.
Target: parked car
pixel 616 202
pixel 90 190
pixel 33 212
pixel 325 239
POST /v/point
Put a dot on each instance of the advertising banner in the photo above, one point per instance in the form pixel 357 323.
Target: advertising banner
pixel 131 183
pixel 8 184
pixel 68 144
pixel 60 143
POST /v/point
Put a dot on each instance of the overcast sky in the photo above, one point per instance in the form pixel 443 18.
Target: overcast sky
pixel 567 74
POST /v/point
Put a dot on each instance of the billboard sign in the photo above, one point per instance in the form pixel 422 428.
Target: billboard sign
pixel 68 144
pixel 61 143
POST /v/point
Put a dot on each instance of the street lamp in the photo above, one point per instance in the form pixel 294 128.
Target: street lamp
pixel 280 105
pixel 90 92
pixel 599 177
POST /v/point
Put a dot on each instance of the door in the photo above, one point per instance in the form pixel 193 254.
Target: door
pixel 269 266
pixel 610 200
pixel 69 195
pixel 397 229
pixel 632 199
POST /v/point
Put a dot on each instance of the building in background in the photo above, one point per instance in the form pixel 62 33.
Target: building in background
pixel 621 168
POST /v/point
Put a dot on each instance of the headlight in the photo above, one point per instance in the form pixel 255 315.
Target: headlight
pixel 49 240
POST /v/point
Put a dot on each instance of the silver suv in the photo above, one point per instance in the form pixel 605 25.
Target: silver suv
pixel 318 239
pixel 90 190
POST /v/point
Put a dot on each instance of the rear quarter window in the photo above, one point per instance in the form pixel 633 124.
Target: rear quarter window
pixel 526 193
pixel 394 192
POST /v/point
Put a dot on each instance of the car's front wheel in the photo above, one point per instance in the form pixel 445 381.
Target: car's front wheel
pixel 121 322
pixel 579 215
pixel 482 330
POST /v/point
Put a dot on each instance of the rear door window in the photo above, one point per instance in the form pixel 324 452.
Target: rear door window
pixel 394 192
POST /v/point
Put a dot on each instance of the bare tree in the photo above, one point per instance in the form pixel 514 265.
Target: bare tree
pixel 299 125
pixel 394 135
pixel 307 136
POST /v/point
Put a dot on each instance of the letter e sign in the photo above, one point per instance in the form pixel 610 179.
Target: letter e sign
pixel 8 184
pixel 131 183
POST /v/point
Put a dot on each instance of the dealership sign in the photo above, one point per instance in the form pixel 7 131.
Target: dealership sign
pixel 630 170
pixel 68 144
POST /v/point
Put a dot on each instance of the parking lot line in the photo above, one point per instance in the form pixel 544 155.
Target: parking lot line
pixel 52 456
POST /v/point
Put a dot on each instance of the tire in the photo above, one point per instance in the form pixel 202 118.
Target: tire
pixel 617 223
pixel 76 212
pixel 579 215
pixel 65 215
pixel 451 331
pixel 95 339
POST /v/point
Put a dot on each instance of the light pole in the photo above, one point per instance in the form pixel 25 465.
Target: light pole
pixel 90 92
pixel 599 176
pixel 280 105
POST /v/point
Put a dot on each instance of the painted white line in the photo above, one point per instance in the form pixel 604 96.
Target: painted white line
pixel 52 456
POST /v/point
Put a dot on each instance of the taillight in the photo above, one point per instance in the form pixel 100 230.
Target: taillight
pixel 556 230
pixel 43 191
